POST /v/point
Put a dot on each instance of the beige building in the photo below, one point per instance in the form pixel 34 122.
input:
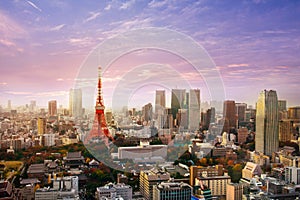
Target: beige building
pixel 160 101
pixel 250 170
pixel 289 161
pixel 41 126
pixel 234 191
pixel 150 178
pixel 285 130
pixel 294 112
pixel 261 159
pixel 199 171
pixel 267 136
pixel 217 184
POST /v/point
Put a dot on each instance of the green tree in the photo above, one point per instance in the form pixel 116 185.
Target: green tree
pixel 236 173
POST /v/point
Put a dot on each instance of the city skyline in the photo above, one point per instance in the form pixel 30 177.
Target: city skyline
pixel 254 44
pixel 33 104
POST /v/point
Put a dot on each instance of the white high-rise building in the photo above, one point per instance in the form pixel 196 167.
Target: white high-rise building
pixel 48 140
pixel 292 175
pixel 194 109
pixel 75 103
pixel 9 105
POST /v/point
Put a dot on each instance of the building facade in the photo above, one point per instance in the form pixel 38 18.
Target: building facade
pixel 172 191
pixel 52 108
pixel 292 175
pixel 241 112
pixel 229 115
pixel 177 100
pixel 160 102
pixel 251 170
pixel 234 191
pixel 147 112
pixel 75 103
pixel 242 135
pixel 267 137
pixel 294 112
pixel 199 171
pixel 110 191
pixel 150 178
pixel 41 126
pixel 194 109
pixel 217 184
pixel 144 153
pixel 285 130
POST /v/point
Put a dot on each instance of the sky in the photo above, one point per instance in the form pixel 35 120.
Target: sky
pixel 44 46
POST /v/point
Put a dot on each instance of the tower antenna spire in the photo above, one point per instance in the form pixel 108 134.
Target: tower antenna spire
pixel 99 102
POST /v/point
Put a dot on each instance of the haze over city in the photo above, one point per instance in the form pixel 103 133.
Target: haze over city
pixel 254 44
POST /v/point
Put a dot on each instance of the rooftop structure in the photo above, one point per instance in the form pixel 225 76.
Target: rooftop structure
pixel 172 190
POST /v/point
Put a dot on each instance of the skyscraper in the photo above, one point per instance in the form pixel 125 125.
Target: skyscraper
pixel 241 112
pixel 194 109
pixel 75 103
pixel 267 137
pixel 229 115
pixel 32 106
pixel 9 105
pixel 167 119
pixel 147 112
pixel 211 114
pixel 41 126
pixel 52 108
pixel 160 101
pixel 182 118
pixel 177 100
pixel 282 111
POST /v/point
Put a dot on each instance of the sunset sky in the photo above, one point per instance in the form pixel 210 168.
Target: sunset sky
pixel 255 45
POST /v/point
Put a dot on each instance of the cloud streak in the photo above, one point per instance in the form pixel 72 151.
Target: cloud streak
pixel 93 15
pixel 238 65
pixel 34 6
pixel 127 5
pixel 57 28
pixel 108 7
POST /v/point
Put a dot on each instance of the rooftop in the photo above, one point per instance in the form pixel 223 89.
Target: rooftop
pixel 172 186
pixel 29 181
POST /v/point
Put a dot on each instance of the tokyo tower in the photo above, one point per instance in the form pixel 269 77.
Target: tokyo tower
pixel 99 129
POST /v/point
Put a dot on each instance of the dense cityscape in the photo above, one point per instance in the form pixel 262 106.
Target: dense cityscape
pixel 191 150
pixel 149 100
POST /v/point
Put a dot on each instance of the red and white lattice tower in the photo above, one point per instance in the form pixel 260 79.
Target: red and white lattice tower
pixel 99 129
